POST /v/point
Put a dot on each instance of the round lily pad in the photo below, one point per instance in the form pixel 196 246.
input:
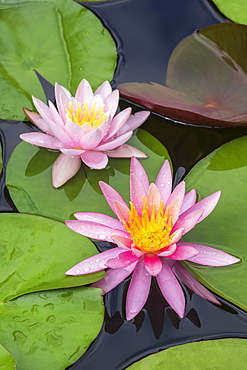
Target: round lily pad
pixel 71 46
pixel 219 354
pixel 29 180
pixel 226 228
pixel 235 10
pixel 7 362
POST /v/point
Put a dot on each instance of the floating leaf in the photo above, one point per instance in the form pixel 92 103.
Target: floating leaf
pixel 226 228
pixel 80 47
pixel 1 160
pixel 35 253
pixel 210 354
pixel 7 362
pixel 50 330
pixel 206 79
pixel 235 10
pixel 29 180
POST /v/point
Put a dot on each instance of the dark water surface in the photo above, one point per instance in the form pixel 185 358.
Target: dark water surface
pixel 146 32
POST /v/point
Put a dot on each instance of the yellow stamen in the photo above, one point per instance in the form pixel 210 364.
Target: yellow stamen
pixel 82 115
pixel 150 232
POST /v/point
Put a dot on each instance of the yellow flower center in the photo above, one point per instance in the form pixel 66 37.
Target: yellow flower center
pixel 82 115
pixel 150 232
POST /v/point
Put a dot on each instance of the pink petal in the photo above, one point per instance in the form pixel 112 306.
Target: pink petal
pixel 171 289
pixel 153 198
pixel 168 250
pixel 84 92
pixel 113 278
pixel 137 191
pixel 122 211
pixel 178 193
pixel 43 140
pixel 72 152
pixel 63 97
pixel 174 210
pixel 183 253
pixel 210 256
pixel 122 260
pixel 124 243
pixel 64 168
pixel 153 264
pixel 177 235
pixel 43 109
pixel 111 102
pixel 137 169
pixel 74 131
pixel 95 160
pixel 190 281
pixel 207 205
pixel 104 90
pixel 111 195
pixel 114 143
pixel 164 181
pixel 125 151
pixel 189 200
pixel 188 222
pixel 138 290
pixel 38 121
pixel 94 263
pixel 94 230
pixel 117 122
pixel 134 121
pixel 92 139
pixel 61 135
pixel 99 218
pixel 55 115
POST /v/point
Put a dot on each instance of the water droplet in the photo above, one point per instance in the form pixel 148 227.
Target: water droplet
pixel 78 271
pixel 49 306
pixel 214 253
pixel 90 235
pixel 204 252
pixel 86 269
pixel 51 318
pixel 91 262
pixel 43 295
pixel 16 318
pixel 102 236
pixel 164 175
pixel 19 337
pixel 97 260
pixel 162 185
pixel 205 203
pixel 168 182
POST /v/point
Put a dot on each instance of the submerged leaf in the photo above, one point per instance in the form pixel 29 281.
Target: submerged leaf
pixel 29 180
pixel 206 79
pixel 210 354
pixel 226 228
pixel 80 47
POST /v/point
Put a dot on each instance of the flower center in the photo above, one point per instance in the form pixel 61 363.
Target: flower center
pixel 82 115
pixel 150 232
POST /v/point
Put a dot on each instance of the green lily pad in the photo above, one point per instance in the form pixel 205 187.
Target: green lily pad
pixel 1 160
pixel 80 47
pixel 219 354
pixel 29 180
pixel 7 362
pixel 235 10
pixel 35 252
pixel 226 228
pixel 50 330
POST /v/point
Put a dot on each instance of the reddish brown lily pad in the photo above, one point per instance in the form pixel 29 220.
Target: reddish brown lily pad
pixel 206 81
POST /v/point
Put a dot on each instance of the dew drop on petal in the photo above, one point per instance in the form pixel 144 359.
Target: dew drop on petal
pixel 164 175
pixel 78 271
pixel 97 260
pixel 102 236
pixel 162 185
pixel 168 182
pixel 86 269
pixel 91 262
pixel 90 235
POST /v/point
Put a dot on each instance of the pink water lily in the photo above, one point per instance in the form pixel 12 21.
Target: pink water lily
pixel 84 128
pixel 148 239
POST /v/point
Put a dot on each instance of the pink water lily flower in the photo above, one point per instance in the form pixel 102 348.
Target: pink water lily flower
pixel 148 238
pixel 84 128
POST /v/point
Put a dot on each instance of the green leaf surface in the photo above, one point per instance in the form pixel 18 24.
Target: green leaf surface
pixel 7 362
pixel 29 180
pixel 73 44
pixel 226 228
pixel 36 252
pixel 222 354
pixel 50 330
pixel 235 10
pixel 1 158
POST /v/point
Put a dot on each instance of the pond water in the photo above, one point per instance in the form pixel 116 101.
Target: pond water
pixel 146 32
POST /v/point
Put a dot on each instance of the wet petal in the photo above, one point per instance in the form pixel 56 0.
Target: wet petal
pixel 111 195
pixel 61 135
pixel 92 139
pixel 113 278
pixel 137 169
pixel 38 121
pixel 100 219
pixel 124 259
pixel 138 290
pixel 94 263
pixel 43 109
pixel 125 151
pixel 114 143
pixel 153 264
pixel 171 289
pixel 153 198
pixel 43 140
pixel 134 121
pixel 137 191
pixel 210 256
pixel 188 222
pixel 189 200
pixel 111 102
pixel 122 211
pixel 95 230
pixel 168 250
pixel 63 97
pixel 117 122
pixel 122 242
pixel 104 90
pixel 55 115
pixel 164 181
pixel 84 92
pixel 72 152
pixel 183 253
pixel 64 168
pixel 178 193
pixel 95 160
pixel 190 281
